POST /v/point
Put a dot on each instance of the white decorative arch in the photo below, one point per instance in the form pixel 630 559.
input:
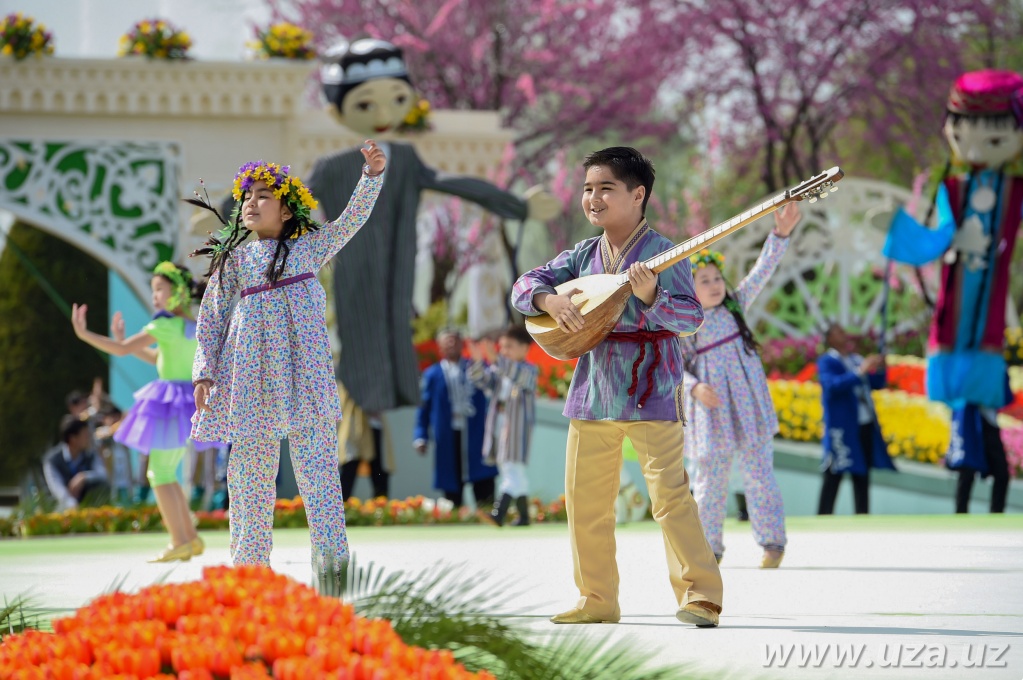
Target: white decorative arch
pixel 203 119
pixel 834 268
pixel 116 201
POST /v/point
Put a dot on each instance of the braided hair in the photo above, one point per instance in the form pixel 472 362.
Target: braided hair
pixel 745 332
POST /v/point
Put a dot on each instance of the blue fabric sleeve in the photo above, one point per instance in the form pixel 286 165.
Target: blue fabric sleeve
pixel 910 242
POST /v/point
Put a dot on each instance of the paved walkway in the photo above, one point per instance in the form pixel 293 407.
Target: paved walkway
pixel 900 597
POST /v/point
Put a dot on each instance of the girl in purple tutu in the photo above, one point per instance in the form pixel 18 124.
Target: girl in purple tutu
pixel 160 420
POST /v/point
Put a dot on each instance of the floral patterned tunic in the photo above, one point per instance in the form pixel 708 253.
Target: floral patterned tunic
pixel 746 412
pixel 269 358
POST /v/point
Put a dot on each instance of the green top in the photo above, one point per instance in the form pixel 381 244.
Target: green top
pixel 176 352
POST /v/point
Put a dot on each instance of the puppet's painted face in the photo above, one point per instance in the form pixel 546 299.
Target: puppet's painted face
pixel 981 142
pixel 377 106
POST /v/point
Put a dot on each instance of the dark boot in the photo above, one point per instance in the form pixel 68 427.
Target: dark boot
pixel 740 501
pixel 500 510
pixel 522 505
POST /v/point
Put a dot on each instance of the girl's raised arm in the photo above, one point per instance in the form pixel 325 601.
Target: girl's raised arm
pixel 333 236
pixel 785 220
pixel 118 348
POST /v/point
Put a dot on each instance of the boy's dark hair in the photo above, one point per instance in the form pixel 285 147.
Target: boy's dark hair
pixel 517 333
pixel 627 165
pixel 70 426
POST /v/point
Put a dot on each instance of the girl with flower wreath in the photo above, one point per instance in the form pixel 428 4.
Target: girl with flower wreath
pixel 264 370
pixel 160 421
pixel 731 413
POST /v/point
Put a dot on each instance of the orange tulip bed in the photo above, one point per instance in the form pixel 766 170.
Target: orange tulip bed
pixel 237 623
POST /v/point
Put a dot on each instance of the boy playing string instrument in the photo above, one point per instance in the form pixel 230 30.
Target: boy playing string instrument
pixel 631 384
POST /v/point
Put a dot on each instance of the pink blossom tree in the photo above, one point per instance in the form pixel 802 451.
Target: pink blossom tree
pixel 791 77
pixel 559 72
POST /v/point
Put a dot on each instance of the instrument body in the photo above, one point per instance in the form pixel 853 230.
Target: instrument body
pixel 604 296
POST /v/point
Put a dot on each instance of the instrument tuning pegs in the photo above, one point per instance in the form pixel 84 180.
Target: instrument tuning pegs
pixel 834 189
pixel 813 199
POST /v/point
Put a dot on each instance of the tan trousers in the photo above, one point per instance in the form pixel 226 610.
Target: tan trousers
pixel 593 467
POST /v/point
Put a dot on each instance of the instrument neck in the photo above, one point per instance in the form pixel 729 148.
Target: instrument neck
pixel 686 248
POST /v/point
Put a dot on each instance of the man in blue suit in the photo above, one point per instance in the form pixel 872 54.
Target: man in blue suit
pixel 852 436
pixel 456 412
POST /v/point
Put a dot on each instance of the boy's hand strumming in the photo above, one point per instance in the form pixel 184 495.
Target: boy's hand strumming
pixel 562 310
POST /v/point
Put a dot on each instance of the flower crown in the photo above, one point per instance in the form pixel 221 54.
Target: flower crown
pixel 707 257
pixel 182 294
pixel 289 189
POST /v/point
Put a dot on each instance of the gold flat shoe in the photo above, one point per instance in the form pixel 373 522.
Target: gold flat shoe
pixel 772 559
pixel 197 546
pixel 182 553
pixel 579 616
pixel 697 614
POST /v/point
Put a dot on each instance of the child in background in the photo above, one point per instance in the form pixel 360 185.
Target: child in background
pixel 509 382
pixel 731 412
pixel 117 456
pixel 158 423
pixel 453 412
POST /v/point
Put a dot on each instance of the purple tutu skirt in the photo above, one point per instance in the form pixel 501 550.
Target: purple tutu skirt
pixel 161 417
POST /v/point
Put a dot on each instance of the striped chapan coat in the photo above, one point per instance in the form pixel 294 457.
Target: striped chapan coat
pixel 508 443
pixel 374 273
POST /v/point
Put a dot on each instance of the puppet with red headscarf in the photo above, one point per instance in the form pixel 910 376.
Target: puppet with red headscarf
pixel 979 206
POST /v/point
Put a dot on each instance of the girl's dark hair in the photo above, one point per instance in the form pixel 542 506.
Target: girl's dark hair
pixel 748 341
pixel 235 233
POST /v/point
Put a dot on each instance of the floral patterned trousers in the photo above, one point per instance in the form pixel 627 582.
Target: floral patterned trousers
pixel 763 497
pixel 251 475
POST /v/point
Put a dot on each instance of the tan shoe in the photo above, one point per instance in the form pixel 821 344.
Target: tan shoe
pixel 700 614
pixel 577 615
pixel 197 546
pixel 772 559
pixel 182 553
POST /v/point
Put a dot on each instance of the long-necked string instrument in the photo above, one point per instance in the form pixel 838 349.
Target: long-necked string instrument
pixel 604 296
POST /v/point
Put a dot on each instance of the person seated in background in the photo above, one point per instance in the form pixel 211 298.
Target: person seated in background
pixel 74 473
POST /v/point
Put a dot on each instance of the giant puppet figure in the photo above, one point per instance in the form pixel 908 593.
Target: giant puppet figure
pixel 369 84
pixel 979 206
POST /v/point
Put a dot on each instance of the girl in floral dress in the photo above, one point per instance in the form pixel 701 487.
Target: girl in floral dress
pixel 731 411
pixel 263 370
